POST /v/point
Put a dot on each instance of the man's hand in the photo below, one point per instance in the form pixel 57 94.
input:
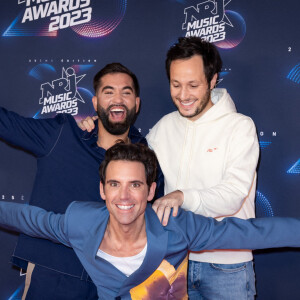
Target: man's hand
pixel 87 124
pixel 163 205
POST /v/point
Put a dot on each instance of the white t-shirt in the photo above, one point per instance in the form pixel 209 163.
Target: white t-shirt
pixel 126 265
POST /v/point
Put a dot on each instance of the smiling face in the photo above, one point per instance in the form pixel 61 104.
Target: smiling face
pixel 189 88
pixel 116 102
pixel 126 192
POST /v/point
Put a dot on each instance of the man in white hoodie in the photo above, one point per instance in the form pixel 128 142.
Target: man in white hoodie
pixel 208 154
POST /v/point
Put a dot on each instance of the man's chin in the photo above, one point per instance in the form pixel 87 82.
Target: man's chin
pixel 117 130
pixel 116 125
pixel 187 114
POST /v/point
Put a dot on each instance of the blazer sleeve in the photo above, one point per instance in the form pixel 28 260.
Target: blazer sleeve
pixel 37 136
pixel 34 221
pixel 204 233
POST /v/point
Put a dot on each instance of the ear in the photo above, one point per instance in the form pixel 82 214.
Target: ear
pixel 151 191
pixel 213 81
pixel 137 103
pixel 102 193
pixel 95 102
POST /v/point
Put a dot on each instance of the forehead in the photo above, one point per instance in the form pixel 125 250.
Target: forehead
pixel 123 170
pixel 190 68
pixel 116 80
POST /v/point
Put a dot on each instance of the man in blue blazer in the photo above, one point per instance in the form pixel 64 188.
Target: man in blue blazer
pixel 124 248
pixel 66 156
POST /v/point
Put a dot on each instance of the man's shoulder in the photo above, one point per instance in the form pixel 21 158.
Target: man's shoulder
pixel 76 206
pixel 163 124
pixel 168 118
pixel 84 221
pixel 186 224
pixel 67 118
pixel 135 136
pixel 225 107
pixel 70 128
pixel 85 212
pixel 241 120
pixel 60 121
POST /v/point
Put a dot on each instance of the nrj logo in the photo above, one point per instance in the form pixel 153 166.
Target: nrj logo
pixel 207 20
pixel 91 19
pixel 62 14
pixel 61 95
pixel 212 22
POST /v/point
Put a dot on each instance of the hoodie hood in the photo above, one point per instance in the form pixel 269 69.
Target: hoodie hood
pixel 223 105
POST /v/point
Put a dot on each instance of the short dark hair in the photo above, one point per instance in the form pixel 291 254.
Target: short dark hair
pixel 186 47
pixel 116 68
pixel 131 152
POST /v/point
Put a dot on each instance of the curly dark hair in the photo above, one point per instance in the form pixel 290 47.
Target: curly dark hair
pixel 131 152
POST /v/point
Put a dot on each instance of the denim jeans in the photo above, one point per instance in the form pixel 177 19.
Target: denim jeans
pixel 217 281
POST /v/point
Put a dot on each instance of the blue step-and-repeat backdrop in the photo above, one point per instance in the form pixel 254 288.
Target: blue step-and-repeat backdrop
pixel 50 48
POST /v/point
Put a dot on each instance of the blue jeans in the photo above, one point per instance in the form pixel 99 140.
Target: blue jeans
pixel 217 281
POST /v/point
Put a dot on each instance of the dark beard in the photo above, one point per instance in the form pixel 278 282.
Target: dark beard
pixel 200 109
pixel 116 128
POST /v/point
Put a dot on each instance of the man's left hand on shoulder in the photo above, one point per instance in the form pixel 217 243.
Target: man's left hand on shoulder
pixel 163 205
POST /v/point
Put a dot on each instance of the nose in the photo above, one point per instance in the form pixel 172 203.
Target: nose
pixel 124 193
pixel 183 94
pixel 118 98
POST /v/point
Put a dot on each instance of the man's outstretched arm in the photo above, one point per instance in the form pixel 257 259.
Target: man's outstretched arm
pixel 37 136
pixel 204 233
pixel 34 221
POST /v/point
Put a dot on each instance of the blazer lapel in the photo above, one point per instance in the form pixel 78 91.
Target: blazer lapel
pixel 157 239
pixel 104 274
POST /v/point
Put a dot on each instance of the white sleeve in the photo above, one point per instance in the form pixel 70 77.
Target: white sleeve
pixel 227 197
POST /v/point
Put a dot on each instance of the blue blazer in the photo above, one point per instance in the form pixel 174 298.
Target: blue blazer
pixel 163 271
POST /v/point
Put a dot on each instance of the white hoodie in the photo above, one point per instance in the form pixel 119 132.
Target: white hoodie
pixel 213 162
